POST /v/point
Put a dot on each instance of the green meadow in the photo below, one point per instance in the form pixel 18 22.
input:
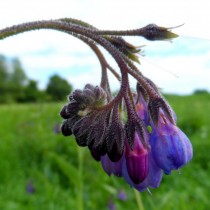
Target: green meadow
pixel 41 169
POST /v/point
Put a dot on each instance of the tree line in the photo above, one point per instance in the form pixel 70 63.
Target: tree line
pixel 15 86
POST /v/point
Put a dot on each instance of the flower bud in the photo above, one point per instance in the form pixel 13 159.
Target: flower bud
pixel 152 180
pixel 126 48
pixel 153 32
pixel 141 110
pixel 137 160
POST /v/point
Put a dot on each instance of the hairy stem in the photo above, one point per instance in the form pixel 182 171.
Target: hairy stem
pixel 104 77
pixel 73 28
pixel 133 32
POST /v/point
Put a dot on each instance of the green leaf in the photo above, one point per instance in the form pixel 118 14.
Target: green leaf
pixel 110 189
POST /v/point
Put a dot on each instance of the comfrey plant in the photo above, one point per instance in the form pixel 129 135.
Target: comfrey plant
pixel 134 134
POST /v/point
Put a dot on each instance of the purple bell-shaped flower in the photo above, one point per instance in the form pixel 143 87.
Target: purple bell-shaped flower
pixel 170 146
pixel 136 160
pixel 151 181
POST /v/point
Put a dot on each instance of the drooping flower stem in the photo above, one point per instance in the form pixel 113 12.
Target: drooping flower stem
pixel 80 200
pixel 77 22
pixel 104 65
pixel 138 200
pixel 67 28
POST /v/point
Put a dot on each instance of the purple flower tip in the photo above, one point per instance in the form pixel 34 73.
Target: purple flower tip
pixel 110 167
pixel 122 195
pixel 111 205
pixel 30 187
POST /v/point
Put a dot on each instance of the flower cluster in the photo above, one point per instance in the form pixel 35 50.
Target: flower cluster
pixel 134 134
pixel 137 150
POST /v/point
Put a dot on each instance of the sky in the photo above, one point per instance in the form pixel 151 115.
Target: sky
pixel 180 66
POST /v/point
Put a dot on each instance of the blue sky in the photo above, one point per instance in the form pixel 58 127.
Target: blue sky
pixel 44 53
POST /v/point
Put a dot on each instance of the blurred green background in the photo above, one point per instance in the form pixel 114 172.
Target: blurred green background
pixel 41 169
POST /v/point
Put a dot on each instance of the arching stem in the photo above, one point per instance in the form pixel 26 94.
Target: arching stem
pixel 73 28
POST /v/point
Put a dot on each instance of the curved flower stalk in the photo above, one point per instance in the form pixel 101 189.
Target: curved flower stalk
pixel 133 135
